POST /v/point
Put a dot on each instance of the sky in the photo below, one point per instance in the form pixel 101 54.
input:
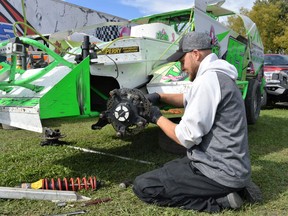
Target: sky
pixel 130 9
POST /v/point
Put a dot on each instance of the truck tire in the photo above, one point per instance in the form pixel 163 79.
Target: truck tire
pixel 168 144
pixel 266 101
pixel 253 101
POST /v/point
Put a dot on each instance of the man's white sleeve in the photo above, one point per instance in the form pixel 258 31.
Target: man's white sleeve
pixel 201 103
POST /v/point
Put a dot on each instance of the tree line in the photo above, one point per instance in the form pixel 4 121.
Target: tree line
pixel 271 18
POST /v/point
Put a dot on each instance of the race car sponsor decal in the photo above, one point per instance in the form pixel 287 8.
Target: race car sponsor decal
pixel 119 50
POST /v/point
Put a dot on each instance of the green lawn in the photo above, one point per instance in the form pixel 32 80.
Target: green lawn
pixel 22 159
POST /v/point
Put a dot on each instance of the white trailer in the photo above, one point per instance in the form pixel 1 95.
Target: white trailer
pixel 51 16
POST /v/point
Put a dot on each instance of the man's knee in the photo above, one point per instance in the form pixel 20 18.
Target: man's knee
pixel 137 186
pixel 146 188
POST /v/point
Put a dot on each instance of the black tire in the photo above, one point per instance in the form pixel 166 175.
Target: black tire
pixel 270 102
pixel 253 101
pixel 266 101
pixel 169 145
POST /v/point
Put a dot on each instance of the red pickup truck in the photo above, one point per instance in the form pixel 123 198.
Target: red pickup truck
pixel 276 75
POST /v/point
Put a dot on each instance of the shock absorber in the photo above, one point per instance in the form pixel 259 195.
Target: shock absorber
pixel 64 184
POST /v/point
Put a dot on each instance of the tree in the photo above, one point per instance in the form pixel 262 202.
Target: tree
pixel 283 41
pixel 236 23
pixel 282 38
pixel 283 7
pixel 271 19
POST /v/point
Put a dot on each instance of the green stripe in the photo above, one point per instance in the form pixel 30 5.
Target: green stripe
pixel 24 102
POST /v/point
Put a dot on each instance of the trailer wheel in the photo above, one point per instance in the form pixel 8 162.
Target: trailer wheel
pixel 253 101
pixel 169 145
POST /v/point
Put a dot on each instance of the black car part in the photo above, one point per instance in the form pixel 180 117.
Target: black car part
pixel 51 137
pixel 127 111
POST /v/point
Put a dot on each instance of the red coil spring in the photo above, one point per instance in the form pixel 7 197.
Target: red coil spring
pixel 71 184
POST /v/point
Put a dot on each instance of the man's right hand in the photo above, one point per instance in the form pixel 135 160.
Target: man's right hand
pixel 154 115
pixel 154 98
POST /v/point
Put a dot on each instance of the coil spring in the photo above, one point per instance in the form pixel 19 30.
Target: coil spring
pixel 71 184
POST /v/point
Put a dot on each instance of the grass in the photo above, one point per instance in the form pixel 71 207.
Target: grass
pixel 22 159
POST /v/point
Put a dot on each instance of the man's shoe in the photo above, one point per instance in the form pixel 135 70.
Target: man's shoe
pixel 232 201
pixel 252 193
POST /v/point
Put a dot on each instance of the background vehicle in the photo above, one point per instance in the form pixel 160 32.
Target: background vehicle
pixel 276 75
pixel 79 82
